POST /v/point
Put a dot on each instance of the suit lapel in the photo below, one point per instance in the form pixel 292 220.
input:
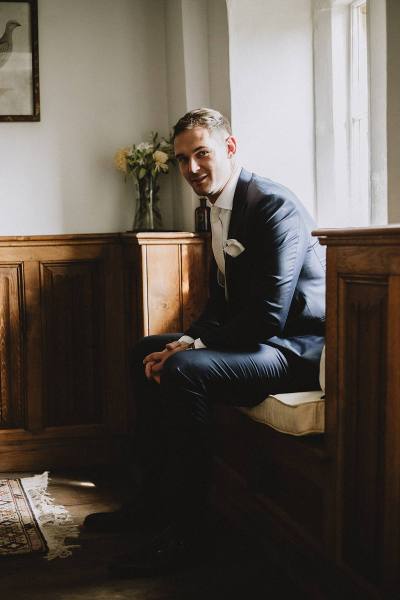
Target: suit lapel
pixel 237 222
pixel 237 225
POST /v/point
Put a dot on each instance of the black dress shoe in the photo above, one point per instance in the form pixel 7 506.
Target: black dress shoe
pixel 108 522
pixel 167 552
pixel 126 519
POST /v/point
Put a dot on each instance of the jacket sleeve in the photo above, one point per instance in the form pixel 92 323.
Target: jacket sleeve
pixel 281 240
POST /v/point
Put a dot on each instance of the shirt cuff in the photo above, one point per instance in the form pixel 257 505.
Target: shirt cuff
pixel 186 339
pixel 198 344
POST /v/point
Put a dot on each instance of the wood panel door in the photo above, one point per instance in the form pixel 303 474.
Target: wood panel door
pixel 62 362
pixel 12 346
pixel 73 342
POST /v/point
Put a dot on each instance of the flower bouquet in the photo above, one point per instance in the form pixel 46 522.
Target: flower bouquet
pixel 145 162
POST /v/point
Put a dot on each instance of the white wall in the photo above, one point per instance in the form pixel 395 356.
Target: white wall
pixel 271 72
pixel 103 86
pixel 218 57
pixel 110 75
pixel 188 83
pixel 197 75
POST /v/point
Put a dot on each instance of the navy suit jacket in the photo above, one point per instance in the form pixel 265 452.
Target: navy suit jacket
pixel 276 286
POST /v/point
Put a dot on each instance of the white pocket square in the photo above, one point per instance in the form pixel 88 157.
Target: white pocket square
pixel 233 248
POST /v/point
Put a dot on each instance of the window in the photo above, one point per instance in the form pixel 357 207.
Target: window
pixel 342 107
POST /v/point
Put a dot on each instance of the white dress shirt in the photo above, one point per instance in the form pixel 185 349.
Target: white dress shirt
pixel 221 212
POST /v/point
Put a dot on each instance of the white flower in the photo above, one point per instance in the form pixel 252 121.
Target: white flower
pixel 145 146
pixel 160 157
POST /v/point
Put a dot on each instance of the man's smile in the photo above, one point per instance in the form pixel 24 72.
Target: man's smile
pixel 198 178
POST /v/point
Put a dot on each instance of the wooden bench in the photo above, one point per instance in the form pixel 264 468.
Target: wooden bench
pixel 328 506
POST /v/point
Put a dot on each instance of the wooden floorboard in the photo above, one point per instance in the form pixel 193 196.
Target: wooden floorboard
pixel 238 569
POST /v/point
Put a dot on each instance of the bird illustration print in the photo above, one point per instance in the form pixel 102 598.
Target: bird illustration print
pixel 6 42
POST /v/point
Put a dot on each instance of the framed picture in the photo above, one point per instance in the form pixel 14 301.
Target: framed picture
pixel 19 61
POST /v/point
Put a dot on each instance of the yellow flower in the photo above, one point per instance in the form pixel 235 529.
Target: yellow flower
pixel 120 159
pixel 160 157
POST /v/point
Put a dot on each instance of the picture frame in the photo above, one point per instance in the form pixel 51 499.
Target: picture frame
pixel 19 61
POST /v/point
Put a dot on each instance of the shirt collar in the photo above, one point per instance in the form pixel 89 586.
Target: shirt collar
pixel 225 199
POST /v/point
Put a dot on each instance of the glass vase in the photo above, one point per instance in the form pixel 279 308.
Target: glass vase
pixel 147 215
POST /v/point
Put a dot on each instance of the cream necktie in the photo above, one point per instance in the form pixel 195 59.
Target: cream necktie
pixel 217 231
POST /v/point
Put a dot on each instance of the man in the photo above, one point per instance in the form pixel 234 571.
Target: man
pixel 260 333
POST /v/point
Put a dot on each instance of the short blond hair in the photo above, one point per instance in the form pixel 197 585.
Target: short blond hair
pixel 203 117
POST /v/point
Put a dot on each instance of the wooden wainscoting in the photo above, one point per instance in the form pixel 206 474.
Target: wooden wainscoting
pixel 363 401
pixel 71 307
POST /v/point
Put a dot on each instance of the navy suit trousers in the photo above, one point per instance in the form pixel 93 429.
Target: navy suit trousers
pixel 173 441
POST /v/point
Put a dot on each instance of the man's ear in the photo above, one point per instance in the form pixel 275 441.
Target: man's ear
pixel 231 146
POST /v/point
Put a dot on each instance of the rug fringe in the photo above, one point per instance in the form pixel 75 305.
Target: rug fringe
pixel 54 520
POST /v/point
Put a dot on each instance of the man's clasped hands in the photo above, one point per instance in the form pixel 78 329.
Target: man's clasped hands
pixel 154 362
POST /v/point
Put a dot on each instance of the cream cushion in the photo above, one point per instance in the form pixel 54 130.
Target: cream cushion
pixel 299 413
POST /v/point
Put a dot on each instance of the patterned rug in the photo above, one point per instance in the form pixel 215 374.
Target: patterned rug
pixel 30 522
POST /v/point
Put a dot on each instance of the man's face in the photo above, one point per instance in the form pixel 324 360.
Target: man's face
pixel 205 159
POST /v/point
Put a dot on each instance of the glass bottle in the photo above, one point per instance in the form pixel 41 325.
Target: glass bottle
pixel 202 217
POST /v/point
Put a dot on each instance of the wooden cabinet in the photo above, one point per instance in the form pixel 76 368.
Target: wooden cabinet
pixel 70 309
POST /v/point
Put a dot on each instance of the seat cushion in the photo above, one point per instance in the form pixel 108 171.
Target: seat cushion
pixel 299 413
